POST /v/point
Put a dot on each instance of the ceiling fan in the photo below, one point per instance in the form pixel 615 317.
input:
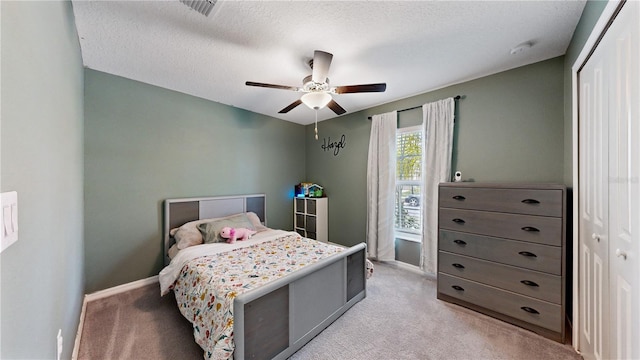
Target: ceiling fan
pixel 317 89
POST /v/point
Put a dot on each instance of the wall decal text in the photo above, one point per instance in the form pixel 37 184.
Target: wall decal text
pixel 335 146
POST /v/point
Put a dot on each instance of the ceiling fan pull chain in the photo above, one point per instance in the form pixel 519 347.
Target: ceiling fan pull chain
pixel 316 129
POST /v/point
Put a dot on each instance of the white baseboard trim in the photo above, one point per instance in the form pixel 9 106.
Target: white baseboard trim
pixel 103 294
pixel 121 288
pixel 76 343
pixel 409 267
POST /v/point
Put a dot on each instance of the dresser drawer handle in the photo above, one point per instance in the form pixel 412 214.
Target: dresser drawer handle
pixel 460 242
pixel 459 198
pixel 529 283
pixel 531 201
pixel 458 221
pixel 527 254
pixel 457 266
pixel 530 310
pixel 456 287
pixel 530 229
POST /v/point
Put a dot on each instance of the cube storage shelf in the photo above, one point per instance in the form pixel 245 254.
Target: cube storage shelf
pixel 310 217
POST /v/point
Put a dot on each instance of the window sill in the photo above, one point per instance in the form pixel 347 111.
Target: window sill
pixel 409 237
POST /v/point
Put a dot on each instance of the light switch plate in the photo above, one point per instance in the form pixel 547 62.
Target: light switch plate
pixel 9 219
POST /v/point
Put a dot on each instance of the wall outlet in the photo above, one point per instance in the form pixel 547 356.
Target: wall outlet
pixel 59 338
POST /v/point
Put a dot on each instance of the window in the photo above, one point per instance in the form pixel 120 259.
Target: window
pixel 408 221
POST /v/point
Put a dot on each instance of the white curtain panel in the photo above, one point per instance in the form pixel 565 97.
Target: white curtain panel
pixel 437 125
pixel 381 184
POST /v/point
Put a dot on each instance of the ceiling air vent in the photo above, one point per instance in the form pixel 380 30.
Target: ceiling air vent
pixel 202 6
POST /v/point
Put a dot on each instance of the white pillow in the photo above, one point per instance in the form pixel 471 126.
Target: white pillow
pixel 188 234
pixel 255 221
pixel 173 251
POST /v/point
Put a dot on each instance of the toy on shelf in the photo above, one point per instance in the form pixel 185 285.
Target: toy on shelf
pixel 307 189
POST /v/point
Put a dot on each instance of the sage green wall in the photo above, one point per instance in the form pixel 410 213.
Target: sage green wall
pixel 590 15
pixel 509 127
pixel 144 144
pixel 41 136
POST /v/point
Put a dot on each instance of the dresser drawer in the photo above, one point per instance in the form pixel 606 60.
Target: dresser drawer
pixel 534 311
pixel 544 258
pixel 519 201
pixel 539 285
pixel 537 229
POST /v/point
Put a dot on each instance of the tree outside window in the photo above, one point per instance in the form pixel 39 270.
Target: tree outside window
pixel 409 199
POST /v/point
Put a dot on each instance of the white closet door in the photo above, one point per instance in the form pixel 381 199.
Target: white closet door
pixel 609 193
pixel 594 249
pixel 624 183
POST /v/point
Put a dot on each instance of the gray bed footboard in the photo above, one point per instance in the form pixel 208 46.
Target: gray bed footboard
pixel 275 320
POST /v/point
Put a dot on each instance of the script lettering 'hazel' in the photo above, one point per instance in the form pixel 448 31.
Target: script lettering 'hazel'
pixel 327 145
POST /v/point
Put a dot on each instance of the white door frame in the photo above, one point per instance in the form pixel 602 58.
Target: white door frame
pixel 589 45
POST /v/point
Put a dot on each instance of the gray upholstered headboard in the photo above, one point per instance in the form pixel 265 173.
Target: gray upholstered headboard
pixel 180 211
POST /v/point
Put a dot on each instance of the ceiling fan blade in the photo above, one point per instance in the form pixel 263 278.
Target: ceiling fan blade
pixel 290 107
pixel 361 88
pixel 333 105
pixel 321 63
pixel 272 86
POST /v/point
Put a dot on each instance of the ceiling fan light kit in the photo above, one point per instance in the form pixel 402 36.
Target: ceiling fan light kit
pixel 316 100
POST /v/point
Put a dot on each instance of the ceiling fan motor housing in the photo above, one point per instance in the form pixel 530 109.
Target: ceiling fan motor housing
pixel 308 85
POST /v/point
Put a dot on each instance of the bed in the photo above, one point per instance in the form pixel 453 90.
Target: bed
pixel 276 309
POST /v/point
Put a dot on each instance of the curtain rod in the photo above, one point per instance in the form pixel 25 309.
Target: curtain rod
pixel 457 97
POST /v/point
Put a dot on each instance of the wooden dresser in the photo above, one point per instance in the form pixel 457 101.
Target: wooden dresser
pixel 502 252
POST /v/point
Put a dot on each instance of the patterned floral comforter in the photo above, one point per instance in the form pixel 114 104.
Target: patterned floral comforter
pixel 206 285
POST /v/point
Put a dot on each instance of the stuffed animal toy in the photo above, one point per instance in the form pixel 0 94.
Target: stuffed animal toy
pixel 233 234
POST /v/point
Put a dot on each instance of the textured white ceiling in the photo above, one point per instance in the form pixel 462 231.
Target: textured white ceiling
pixel 413 46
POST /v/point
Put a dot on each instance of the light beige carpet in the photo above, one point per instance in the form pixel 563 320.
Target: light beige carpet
pixel 400 319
